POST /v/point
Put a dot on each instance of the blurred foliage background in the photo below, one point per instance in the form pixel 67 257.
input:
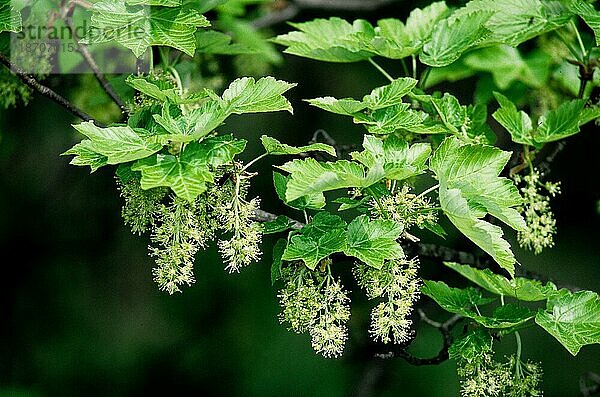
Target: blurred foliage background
pixel 82 316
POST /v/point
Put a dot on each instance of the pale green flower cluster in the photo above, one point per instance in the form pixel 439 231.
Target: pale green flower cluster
pixel 486 377
pixel 397 283
pixel 316 304
pixel 405 208
pixel 140 205
pixel 237 217
pixel 541 225
pixel 175 241
pixel 180 228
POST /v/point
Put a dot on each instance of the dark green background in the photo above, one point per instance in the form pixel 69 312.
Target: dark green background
pixel 81 315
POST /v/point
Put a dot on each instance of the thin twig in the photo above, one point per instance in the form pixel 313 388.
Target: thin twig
pixel 32 82
pixel 445 330
pixel 87 56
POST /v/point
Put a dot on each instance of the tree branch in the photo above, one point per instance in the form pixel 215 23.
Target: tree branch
pixel 445 329
pixel 32 82
pixel 87 56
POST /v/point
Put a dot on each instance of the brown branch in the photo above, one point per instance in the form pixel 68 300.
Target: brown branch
pixel 445 330
pixel 87 56
pixel 32 82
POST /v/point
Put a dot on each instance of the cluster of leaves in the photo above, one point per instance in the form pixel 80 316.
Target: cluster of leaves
pixel 182 181
pixel 483 376
pixel 170 145
pixel 571 317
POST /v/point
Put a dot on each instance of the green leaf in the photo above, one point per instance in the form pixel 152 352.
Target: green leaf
pixel 138 28
pixel 193 125
pixel 399 161
pixel 588 114
pixel 274 147
pixel 508 317
pixel 188 173
pixel 10 18
pixel 487 236
pixel 517 123
pixel 162 91
pixel 348 203
pixel 310 177
pixel 117 144
pixel 453 36
pixel 280 224
pixel 391 119
pixel 346 107
pixel 389 39
pixel 315 201
pixel 186 176
pixel 246 34
pixel 86 156
pixel 330 40
pixel 572 318
pixel 471 346
pixel 391 94
pixel 454 300
pixel 422 22
pixel 552 126
pixel 323 236
pixel 246 95
pixel 219 150
pixel 519 288
pixel 374 241
pixel 588 13
pixel 515 21
pixel 213 42
pixel 560 123
pixel 323 222
pixel 474 170
pixel 451 112
pixel 506 65
pixel 460 301
pixel 278 250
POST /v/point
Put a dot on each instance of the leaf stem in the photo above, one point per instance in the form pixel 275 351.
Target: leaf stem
pixel 518 372
pixel 424 77
pixel 404 67
pixel 569 46
pixel 583 49
pixel 382 70
pixel 414 67
pixel 262 156
pixel 431 189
